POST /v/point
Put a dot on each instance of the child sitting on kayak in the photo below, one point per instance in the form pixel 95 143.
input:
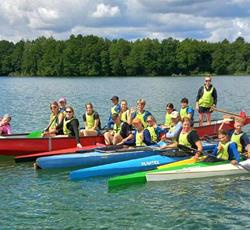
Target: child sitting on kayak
pixel 5 128
pixel 226 150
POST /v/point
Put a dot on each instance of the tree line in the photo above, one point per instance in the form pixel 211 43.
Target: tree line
pixel 95 56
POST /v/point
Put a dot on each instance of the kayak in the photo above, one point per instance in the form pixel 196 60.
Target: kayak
pixel 145 163
pixel 98 157
pixel 17 145
pixel 20 144
pixel 135 165
pixel 34 156
pixel 200 172
pixel 140 177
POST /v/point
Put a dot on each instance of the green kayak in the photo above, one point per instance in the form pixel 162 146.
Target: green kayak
pixel 140 177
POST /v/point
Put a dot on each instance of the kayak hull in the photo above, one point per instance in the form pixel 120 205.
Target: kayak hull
pixel 198 172
pixel 91 159
pixel 141 164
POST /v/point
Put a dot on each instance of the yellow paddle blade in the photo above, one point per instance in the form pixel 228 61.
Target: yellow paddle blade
pixel 179 163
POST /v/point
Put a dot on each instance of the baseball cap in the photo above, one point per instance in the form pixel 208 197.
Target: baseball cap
pixel 174 114
pixel 114 98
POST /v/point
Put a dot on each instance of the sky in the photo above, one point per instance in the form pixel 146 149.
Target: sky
pixel 211 20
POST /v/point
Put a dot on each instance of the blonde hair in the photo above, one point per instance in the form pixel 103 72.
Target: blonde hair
pixel 141 101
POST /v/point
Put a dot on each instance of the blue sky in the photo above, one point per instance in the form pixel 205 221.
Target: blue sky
pixel 211 20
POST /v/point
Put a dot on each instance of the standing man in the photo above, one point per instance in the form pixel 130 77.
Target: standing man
pixel 205 100
pixel 115 109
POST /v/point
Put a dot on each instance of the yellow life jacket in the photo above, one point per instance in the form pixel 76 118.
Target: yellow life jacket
pixel 139 139
pixel 53 120
pixel 66 131
pixel 168 120
pixel 207 99
pixel 183 140
pixel 153 134
pixel 223 153
pixel 113 109
pixel 141 117
pixel 124 116
pixel 90 121
pixel 236 139
pixel 117 128
pixel 183 113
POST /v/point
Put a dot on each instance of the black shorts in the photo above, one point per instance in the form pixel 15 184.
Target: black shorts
pixel 204 109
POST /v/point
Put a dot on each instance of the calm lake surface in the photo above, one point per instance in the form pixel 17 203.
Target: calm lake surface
pixel 48 200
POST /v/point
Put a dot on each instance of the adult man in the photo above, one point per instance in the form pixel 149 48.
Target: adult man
pixel 116 108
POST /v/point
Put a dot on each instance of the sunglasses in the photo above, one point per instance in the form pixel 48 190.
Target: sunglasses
pixel 207 80
pixel 53 107
pixel 68 111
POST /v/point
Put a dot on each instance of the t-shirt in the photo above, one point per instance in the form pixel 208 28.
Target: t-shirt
pixel 96 117
pixel 192 137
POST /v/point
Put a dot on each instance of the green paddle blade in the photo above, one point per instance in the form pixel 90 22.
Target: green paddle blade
pixel 35 134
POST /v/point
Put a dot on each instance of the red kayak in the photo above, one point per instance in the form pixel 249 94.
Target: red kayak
pixel 34 156
pixel 21 145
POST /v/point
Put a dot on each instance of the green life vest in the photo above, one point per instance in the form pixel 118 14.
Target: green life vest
pixel 236 139
pixel 223 154
pixel 66 131
pixel 207 99
pixel 53 120
pixel 168 120
pixel 124 116
pixel 153 134
pixel 183 140
pixel 113 109
pixel 90 121
pixel 139 139
pixel 117 128
pixel 141 117
pixel 183 113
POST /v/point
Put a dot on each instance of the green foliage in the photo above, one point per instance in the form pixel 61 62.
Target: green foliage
pixel 94 56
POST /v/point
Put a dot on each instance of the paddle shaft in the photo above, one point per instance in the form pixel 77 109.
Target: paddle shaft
pixel 226 112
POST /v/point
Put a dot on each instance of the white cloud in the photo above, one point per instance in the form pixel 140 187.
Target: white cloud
pixel 106 11
pixel 211 20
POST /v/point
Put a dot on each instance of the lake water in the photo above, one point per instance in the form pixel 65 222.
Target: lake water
pixel 48 200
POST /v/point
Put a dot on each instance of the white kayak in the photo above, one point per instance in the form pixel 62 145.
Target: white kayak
pixel 201 172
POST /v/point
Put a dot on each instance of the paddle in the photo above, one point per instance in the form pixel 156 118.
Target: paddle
pixel 189 149
pixel 241 115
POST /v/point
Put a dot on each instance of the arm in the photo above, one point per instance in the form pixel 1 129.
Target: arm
pixel 175 132
pixel 75 129
pixel 199 95
pixel 130 140
pixel 60 121
pixel 233 153
pixel 214 94
pixel 199 149
pixel 97 121
pixel 147 138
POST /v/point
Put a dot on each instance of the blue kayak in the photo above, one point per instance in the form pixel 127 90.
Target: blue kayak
pixel 97 157
pixel 135 165
pixel 129 166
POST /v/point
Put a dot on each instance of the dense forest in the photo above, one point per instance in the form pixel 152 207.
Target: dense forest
pixel 95 56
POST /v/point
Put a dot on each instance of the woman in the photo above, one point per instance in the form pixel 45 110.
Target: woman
pixel 62 104
pixel 5 128
pixel 205 100
pixel 125 112
pixel 188 137
pixel 55 122
pixel 168 121
pixel 91 121
pixel 71 125
pixel 140 113
pixel 154 129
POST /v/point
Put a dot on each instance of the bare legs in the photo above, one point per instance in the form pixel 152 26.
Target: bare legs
pixel 207 116
pixel 111 139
